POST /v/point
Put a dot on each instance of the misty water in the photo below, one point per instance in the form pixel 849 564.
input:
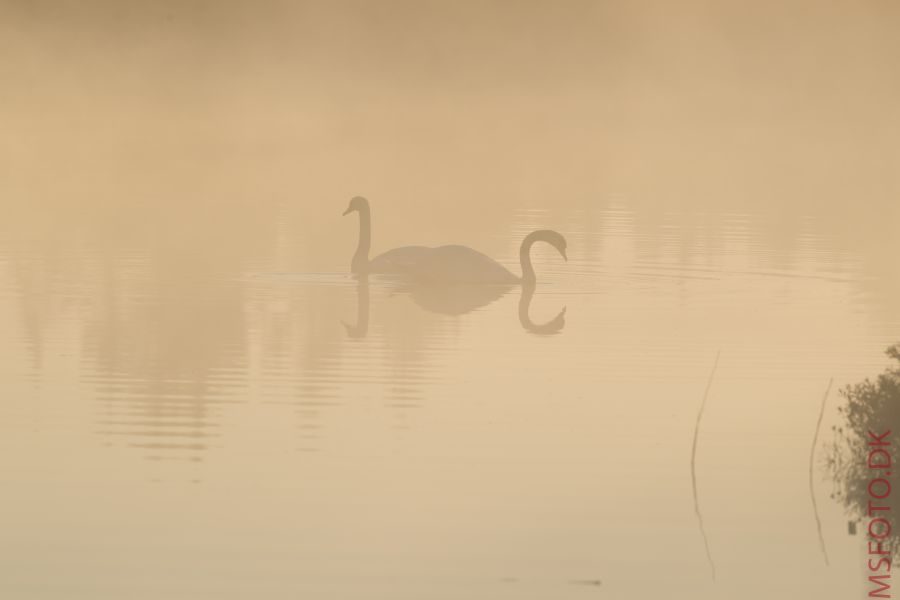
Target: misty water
pixel 200 401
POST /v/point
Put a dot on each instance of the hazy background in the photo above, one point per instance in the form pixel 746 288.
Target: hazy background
pixel 137 108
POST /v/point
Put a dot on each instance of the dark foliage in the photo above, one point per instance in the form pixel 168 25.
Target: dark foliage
pixel 868 406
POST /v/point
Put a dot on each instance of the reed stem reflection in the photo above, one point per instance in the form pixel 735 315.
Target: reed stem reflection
pixel 812 491
pixel 709 558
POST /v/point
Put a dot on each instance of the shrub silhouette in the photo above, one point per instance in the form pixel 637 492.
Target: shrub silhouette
pixel 868 406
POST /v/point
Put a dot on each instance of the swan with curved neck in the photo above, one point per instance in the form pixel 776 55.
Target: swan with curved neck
pixel 398 260
pixel 444 264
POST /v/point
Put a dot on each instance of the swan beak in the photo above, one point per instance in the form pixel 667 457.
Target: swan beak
pixel 347 212
pixel 563 252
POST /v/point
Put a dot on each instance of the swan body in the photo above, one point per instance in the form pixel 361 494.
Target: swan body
pixel 460 264
pixel 445 264
pixel 398 260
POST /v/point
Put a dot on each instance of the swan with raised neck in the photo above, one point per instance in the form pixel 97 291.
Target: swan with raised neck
pixel 398 260
pixel 361 257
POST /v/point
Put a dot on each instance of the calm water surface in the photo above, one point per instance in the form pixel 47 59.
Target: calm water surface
pixel 205 405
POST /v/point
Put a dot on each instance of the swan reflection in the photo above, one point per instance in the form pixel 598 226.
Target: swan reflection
pixel 360 329
pixel 453 300
pixel 554 325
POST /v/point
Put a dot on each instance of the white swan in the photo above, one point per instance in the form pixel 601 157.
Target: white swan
pixel 444 264
pixel 461 264
pixel 398 260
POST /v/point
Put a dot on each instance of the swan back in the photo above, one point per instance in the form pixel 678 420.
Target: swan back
pixel 399 261
pixel 461 264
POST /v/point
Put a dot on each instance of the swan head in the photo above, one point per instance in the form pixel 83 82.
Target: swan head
pixel 555 239
pixel 357 204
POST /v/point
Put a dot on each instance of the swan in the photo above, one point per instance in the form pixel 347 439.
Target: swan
pixel 398 260
pixel 445 264
pixel 461 264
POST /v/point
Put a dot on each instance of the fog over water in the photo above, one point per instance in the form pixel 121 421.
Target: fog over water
pixel 199 401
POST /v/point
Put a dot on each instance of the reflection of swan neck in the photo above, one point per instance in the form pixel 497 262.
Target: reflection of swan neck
pixel 555 325
pixel 525 305
pixel 528 276
pixel 361 258
pixel 361 328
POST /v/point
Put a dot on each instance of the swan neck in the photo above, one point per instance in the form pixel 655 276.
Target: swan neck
pixel 361 258
pixel 528 276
